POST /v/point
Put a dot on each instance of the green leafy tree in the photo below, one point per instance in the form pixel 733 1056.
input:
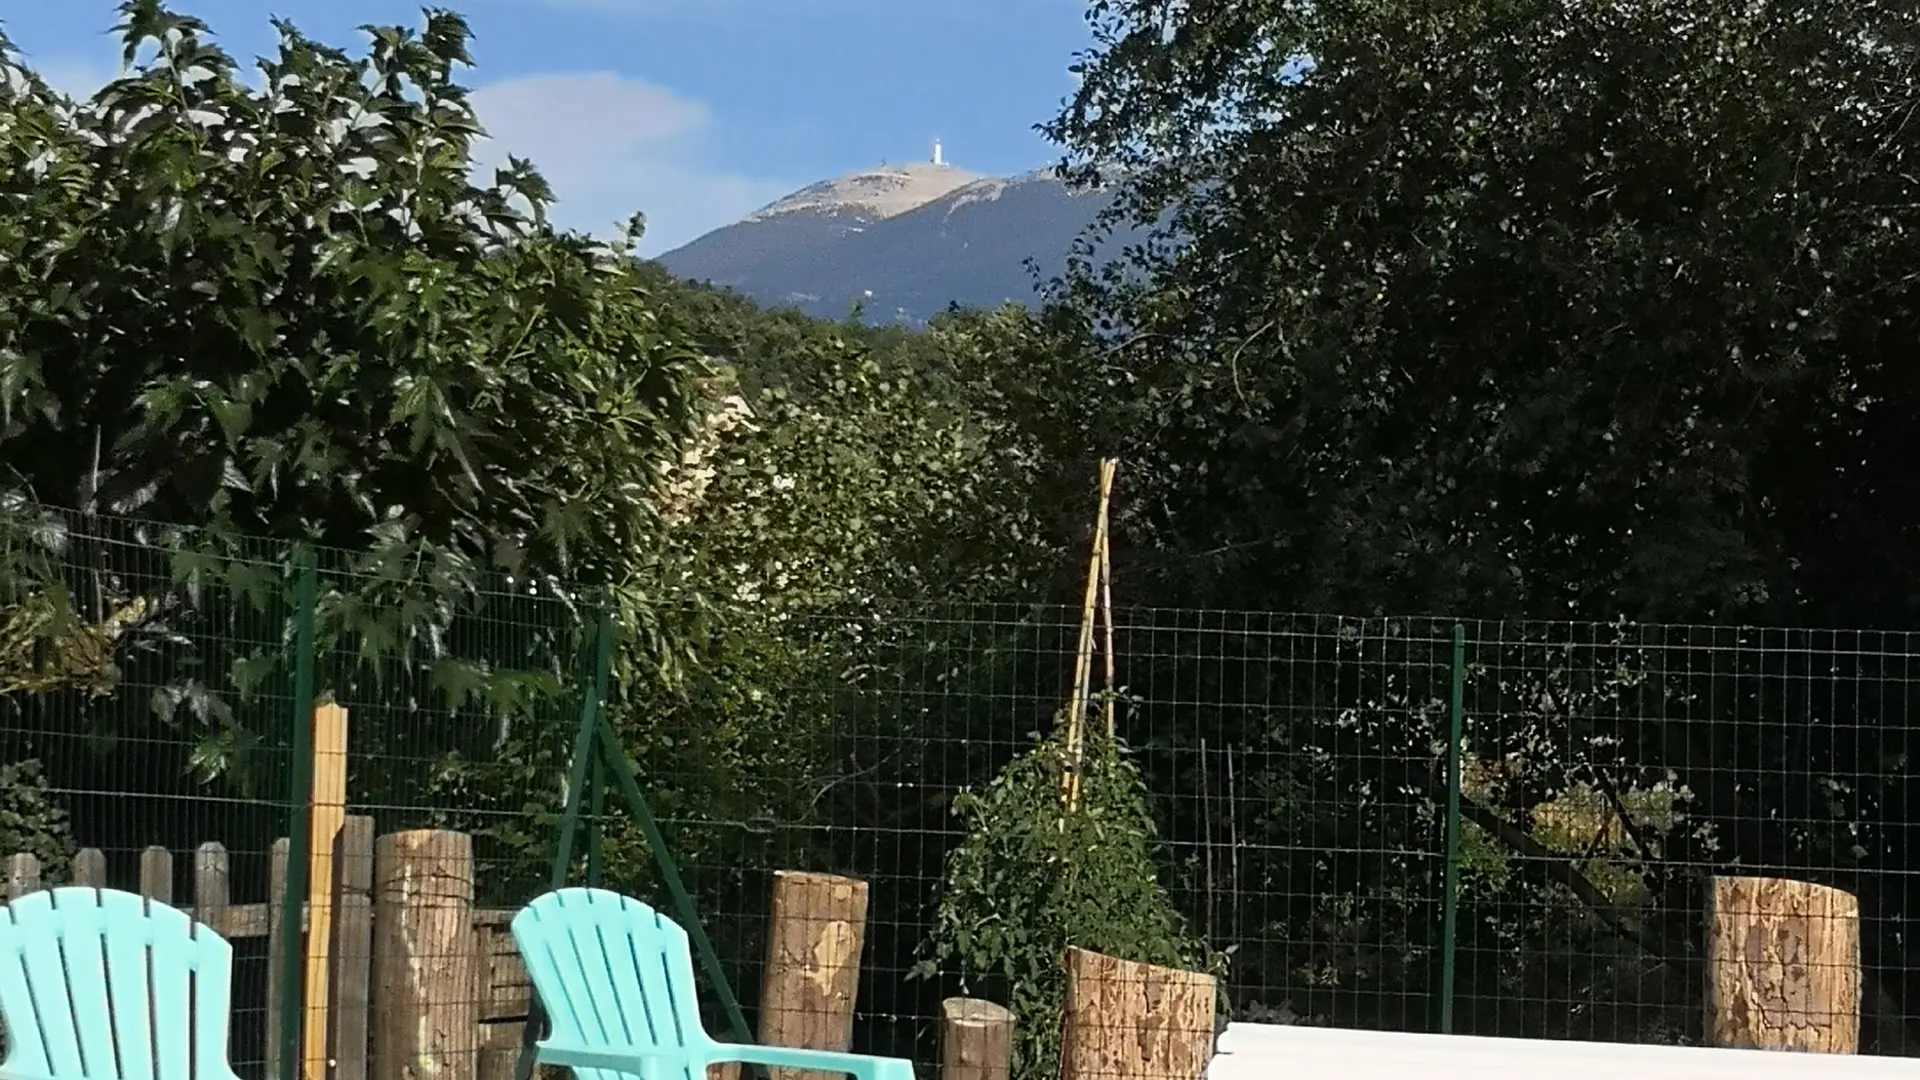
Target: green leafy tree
pixel 1517 309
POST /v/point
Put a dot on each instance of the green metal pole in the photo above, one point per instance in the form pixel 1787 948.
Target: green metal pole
pixel 1450 902
pixel 597 808
pixel 299 812
pixel 591 701
pixel 585 749
pixel 670 871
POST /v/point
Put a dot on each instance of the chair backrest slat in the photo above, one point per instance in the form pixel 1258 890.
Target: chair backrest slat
pixel 26 1047
pixel 132 967
pixel 664 963
pixel 37 942
pixel 592 949
pixel 83 932
pixel 212 1005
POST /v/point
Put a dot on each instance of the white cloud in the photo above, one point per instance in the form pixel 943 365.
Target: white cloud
pixel 611 145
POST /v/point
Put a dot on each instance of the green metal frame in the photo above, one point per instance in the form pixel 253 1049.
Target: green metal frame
pixel 299 796
pixel 597 752
pixel 1450 900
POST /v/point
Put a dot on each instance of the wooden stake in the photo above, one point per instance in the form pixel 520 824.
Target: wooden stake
pixel 976 1040
pixel 1083 654
pixel 1128 1021
pixel 328 812
pixel 1106 620
pixel 280 858
pixel 812 974
pixel 1783 966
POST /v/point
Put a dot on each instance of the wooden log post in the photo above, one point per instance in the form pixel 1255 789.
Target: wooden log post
pixel 1127 1021
pixel 812 974
pixel 976 1040
pixel 425 1017
pixel 1783 966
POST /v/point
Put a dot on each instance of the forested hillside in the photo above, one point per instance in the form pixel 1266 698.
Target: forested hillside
pixel 1589 326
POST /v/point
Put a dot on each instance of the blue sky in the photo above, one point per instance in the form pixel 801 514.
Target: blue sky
pixel 693 111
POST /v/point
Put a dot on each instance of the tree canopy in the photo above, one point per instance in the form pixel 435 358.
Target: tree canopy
pixel 1514 307
pixel 1529 309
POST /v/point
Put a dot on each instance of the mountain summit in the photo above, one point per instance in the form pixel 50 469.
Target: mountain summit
pixel 903 241
pixel 870 196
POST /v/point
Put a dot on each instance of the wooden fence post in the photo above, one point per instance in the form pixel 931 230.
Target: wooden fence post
pixel 156 874
pixel 352 948
pixel 426 1021
pixel 328 798
pixel 1128 1021
pixel 281 855
pixel 1783 966
pixel 212 885
pixel 90 868
pixel 976 1040
pixel 23 875
pixel 812 975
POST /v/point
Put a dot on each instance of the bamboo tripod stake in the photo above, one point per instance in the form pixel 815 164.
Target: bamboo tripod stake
pixel 1083 656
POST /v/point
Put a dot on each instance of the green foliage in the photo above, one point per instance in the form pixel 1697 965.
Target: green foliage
pixel 1511 307
pixel 32 821
pixel 1031 879
pixel 1515 309
pixel 288 311
pixel 284 312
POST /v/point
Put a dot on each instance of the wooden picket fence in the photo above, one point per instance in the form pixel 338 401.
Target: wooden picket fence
pixel 490 987
pixel 405 897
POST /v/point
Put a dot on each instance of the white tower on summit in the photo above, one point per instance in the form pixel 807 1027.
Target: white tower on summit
pixel 936 153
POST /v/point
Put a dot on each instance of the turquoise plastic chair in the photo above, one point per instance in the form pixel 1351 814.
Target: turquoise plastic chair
pixel 615 979
pixel 98 984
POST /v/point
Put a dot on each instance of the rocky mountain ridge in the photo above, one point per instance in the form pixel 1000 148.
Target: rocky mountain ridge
pixel 904 242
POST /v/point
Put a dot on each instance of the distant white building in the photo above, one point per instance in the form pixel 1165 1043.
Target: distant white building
pixel 936 153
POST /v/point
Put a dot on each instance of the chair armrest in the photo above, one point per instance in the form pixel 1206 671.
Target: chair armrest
pixel 618 1060
pixel 862 1066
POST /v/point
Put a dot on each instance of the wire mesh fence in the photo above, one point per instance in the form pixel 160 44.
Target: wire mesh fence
pixel 1384 823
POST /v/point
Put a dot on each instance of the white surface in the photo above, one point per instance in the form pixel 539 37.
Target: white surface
pixel 1281 1052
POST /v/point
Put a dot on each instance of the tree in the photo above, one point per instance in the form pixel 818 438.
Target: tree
pixel 1530 309
pixel 235 318
pixel 288 311
pixel 1523 304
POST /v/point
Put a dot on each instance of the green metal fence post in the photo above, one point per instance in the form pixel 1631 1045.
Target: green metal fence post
pixel 1450 902
pixel 592 699
pixel 616 758
pixel 596 808
pixel 299 811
